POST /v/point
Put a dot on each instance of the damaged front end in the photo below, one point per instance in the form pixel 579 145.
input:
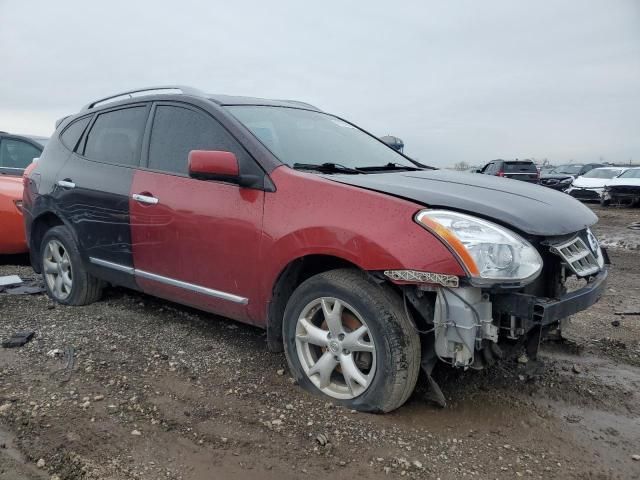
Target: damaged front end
pixel 621 195
pixel 468 323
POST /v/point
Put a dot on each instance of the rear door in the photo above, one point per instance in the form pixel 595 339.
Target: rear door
pixel 92 190
pixel 526 171
pixel 194 241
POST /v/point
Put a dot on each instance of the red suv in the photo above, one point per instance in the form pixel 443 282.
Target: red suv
pixel 361 263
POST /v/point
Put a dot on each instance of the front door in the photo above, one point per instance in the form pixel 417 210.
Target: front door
pixel 194 241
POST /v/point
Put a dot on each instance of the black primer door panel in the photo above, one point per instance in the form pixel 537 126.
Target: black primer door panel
pixel 94 186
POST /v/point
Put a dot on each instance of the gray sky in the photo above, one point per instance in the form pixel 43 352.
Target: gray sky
pixel 457 80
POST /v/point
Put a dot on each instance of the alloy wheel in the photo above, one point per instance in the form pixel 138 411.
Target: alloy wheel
pixel 335 348
pixel 57 269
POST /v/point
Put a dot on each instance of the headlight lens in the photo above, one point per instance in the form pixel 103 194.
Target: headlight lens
pixel 566 180
pixel 487 250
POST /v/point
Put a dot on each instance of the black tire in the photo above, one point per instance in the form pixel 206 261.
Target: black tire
pixel 85 288
pixel 397 344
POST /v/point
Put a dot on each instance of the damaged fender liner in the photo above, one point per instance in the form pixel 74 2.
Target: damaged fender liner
pixel 536 311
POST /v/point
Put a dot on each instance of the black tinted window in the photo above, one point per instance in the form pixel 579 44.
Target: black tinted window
pixel 515 167
pixel 73 132
pixel 115 136
pixel 16 154
pixel 176 131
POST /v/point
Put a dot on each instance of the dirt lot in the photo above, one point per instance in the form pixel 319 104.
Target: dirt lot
pixel 156 390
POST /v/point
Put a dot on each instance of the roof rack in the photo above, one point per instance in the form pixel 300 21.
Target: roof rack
pixel 163 90
pixel 299 103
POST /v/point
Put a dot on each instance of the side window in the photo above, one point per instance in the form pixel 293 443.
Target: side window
pixel 176 131
pixel 17 154
pixel 115 136
pixel 73 132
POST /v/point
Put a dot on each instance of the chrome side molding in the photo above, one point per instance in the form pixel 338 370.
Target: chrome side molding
pixel 230 297
pixel 115 266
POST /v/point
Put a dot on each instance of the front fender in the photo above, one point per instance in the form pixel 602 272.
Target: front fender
pixel 310 215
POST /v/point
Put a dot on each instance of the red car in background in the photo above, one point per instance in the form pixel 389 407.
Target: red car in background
pixel 16 153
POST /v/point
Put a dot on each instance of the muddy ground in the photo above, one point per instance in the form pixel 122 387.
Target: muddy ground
pixel 155 390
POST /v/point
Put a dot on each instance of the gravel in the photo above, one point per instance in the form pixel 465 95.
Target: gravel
pixel 157 390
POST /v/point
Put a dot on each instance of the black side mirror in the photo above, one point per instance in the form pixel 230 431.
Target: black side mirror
pixel 394 142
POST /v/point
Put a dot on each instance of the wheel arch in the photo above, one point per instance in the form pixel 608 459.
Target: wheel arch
pixel 39 227
pixel 290 277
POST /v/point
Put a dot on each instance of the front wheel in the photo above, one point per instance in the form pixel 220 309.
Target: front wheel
pixel 349 339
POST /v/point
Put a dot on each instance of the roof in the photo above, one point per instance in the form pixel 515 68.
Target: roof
pixel 193 92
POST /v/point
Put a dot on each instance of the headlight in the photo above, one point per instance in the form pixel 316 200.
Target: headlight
pixel 566 180
pixel 488 251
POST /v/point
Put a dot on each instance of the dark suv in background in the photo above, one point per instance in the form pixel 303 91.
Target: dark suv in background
pixel 524 170
pixel 361 264
pixel 560 178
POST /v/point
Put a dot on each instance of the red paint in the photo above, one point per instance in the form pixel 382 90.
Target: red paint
pixel 12 238
pixel 211 162
pixel 202 232
pixel 216 235
pixel 309 214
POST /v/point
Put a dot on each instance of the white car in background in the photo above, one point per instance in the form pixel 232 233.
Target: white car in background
pixel 623 189
pixel 590 186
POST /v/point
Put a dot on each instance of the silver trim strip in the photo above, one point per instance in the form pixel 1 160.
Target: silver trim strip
pixel 171 281
pixel 115 266
pixel 195 288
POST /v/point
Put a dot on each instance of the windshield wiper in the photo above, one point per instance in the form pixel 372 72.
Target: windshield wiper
pixel 326 167
pixel 389 166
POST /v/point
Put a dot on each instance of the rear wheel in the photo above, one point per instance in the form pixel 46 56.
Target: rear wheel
pixel 348 338
pixel 65 278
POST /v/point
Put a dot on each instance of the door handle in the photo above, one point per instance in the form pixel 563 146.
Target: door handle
pixel 66 184
pixel 148 199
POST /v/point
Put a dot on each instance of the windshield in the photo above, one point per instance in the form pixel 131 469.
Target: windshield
pixel 633 173
pixel 602 173
pixel 568 169
pixel 297 136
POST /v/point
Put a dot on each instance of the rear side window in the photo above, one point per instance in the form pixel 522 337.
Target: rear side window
pixel 16 154
pixel 115 136
pixel 73 132
pixel 519 167
pixel 176 131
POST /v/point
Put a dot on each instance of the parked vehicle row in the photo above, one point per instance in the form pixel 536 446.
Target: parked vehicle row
pixel 16 152
pixel 606 184
pixel 363 265
pixel 590 186
pixel 560 177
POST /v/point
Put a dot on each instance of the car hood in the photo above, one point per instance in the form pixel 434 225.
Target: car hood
pixel 526 207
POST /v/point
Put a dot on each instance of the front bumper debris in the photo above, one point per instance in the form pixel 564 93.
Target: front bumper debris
pixel 538 311
pixel 586 194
